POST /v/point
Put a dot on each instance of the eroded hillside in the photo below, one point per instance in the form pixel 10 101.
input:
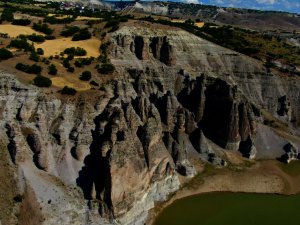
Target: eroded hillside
pixel 177 101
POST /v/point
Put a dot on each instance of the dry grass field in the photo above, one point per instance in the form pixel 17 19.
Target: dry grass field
pixel 14 30
pixel 79 18
pixel 198 24
pixel 70 81
pixel 56 46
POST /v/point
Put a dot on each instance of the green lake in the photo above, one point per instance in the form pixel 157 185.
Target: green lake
pixel 232 209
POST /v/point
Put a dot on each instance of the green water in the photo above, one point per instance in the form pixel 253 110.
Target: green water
pixel 232 209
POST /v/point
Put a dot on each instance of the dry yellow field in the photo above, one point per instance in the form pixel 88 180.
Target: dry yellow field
pixel 198 24
pixel 56 46
pixel 87 18
pixel 70 82
pixel 14 30
pixel 78 18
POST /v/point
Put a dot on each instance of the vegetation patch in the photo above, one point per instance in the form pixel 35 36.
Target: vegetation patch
pixel 68 91
pixel 5 54
pixel 106 68
pixel 43 28
pixel 42 81
pixel 33 69
pixel 85 76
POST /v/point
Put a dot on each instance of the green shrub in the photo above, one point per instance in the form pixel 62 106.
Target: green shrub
pixel 21 43
pixel 42 81
pixel 49 37
pixel 103 47
pixel 106 68
pixel 94 83
pixel 83 61
pixel 33 69
pixel 34 57
pixel 21 22
pixel 5 54
pixel 22 67
pixel 83 34
pixel 52 69
pixel 69 31
pixel 75 51
pixel 66 63
pixel 42 27
pixel 40 51
pixel 68 91
pixel 36 38
pixel 71 69
pixel 7 15
pixel 85 76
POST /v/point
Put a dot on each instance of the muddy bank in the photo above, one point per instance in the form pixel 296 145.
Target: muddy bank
pixel 269 176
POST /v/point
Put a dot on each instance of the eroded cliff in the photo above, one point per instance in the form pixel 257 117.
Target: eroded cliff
pixel 107 158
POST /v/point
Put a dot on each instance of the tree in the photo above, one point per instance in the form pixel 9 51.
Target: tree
pixel 21 22
pixel 71 69
pixel 5 54
pixel 68 91
pixel 52 69
pixel 40 51
pixel 85 76
pixel 106 68
pixel 7 15
pixel 42 81
pixel 83 34
pixel 34 57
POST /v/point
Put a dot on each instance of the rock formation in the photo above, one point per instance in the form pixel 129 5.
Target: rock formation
pixel 109 158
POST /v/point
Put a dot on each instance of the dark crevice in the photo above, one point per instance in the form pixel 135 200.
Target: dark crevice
pixel 95 175
pixel 139 47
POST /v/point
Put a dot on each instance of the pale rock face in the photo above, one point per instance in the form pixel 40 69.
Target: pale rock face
pixel 110 159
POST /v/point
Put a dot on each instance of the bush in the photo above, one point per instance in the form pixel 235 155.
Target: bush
pixel 36 38
pixel 71 69
pixel 66 63
pixel 7 15
pixel 5 54
pixel 69 31
pixel 49 37
pixel 85 76
pixel 75 51
pixel 34 57
pixel 21 22
pixel 52 69
pixel 33 69
pixel 103 47
pixel 83 34
pixel 83 61
pixel 106 68
pixel 21 43
pixel 42 27
pixel 22 67
pixel 42 81
pixel 94 83
pixel 68 91
pixel 40 51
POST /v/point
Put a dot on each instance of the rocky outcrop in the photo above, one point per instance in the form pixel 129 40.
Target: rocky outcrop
pixel 178 100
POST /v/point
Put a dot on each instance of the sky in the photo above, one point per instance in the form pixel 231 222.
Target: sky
pixel 278 5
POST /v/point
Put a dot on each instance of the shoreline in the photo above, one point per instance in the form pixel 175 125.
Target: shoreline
pixel 264 177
